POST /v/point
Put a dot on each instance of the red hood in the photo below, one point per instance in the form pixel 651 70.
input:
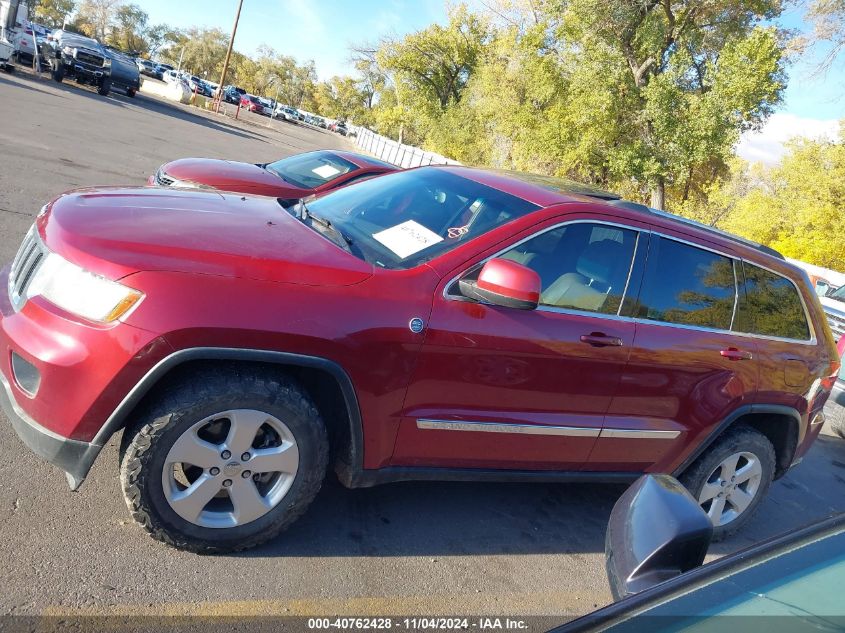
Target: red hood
pixel 229 175
pixel 118 231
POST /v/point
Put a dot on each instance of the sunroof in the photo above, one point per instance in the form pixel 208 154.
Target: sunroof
pixel 560 185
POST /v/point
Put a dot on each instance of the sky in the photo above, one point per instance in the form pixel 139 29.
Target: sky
pixel 323 30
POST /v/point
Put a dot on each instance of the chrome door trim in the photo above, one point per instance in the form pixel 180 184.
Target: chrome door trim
pixel 429 424
pixel 506 427
pixel 640 434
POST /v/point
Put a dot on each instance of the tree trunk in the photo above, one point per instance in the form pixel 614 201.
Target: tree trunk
pixel 658 194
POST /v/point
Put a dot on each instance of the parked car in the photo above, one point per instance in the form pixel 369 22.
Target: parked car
pixel 231 94
pixel 833 302
pixel 146 67
pixel 341 128
pixel 251 103
pixel 835 407
pixel 199 86
pixel 287 113
pixel 161 69
pixel 25 41
pixel 656 542
pixel 267 105
pixel 290 178
pixel 124 71
pixel 80 58
pixel 435 323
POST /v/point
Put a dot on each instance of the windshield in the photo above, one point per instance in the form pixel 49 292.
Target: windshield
pixel 838 294
pixel 403 219
pixel 311 170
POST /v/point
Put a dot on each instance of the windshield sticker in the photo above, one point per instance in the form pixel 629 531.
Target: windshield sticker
pixel 407 238
pixel 326 171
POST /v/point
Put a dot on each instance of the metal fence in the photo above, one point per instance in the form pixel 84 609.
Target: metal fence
pixel 398 154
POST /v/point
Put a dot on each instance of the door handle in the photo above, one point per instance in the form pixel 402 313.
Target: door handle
pixel 598 339
pixel 733 353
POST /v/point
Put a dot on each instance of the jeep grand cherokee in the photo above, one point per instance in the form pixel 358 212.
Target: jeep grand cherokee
pixel 436 323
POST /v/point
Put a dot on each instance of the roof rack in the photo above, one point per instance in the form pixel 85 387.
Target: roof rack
pixel 627 204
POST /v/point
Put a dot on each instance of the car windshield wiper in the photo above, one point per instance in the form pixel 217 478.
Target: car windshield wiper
pixel 301 212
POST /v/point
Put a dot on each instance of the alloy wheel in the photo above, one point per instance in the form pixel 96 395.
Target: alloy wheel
pixel 731 487
pixel 230 468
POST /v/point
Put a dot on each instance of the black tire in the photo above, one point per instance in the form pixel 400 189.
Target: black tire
pixel 104 87
pixel 57 70
pixel 166 417
pixel 130 92
pixel 736 440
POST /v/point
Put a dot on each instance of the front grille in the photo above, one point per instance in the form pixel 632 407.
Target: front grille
pixel 836 322
pixel 87 57
pixel 162 180
pixel 30 256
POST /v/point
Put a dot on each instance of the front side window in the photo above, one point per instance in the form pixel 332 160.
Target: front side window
pixel 772 306
pixel 582 266
pixel 405 218
pixel 311 170
pixel 687 285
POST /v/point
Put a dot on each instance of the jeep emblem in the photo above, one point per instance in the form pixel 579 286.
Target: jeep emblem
pixel 416 324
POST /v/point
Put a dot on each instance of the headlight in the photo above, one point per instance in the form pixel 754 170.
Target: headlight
pixel 82 293
pixel 67 50
pixel 106 62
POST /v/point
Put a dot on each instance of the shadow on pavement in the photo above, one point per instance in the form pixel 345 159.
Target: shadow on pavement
pixel 449 519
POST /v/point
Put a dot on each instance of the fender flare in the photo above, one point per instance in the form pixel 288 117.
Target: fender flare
pixel 747 409
pixel 118 417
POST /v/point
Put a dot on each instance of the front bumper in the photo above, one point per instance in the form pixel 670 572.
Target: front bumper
pixel 72 456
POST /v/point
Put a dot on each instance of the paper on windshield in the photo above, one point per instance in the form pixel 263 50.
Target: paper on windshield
pixel 407 238
pixel 326 171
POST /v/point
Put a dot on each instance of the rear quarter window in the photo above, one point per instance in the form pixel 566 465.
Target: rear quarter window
pixel 771 306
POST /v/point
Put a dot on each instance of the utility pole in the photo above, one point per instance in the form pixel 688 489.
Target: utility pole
pixel 228 55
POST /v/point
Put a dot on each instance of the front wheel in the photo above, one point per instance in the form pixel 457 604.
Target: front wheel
pixel 731 478
pixel 104 87
pixel 57 71
pixel 227 461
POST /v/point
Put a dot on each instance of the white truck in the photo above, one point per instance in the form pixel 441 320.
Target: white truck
pixel 12 16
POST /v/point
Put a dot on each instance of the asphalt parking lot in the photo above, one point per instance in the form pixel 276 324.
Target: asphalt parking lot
pixel 412 548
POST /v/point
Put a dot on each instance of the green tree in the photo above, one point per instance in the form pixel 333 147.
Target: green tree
pixel 52 13
pixel 199 50
pixel 796 207
pixel 94 18
pixel 697 74
pixel 128 30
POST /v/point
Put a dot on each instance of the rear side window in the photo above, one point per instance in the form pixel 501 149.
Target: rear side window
pixel 687 285
pixel 772 306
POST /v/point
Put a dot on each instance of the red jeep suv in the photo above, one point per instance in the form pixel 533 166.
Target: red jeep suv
pixel 437 323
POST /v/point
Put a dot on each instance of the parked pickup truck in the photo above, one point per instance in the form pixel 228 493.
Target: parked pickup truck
pixel 80 57
pixel 124 71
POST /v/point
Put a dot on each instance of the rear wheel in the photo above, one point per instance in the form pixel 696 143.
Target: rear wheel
pixel 226 462
pixel 731 478
pixel 130 92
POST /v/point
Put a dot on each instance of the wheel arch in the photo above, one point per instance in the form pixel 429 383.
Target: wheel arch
pixel 782 425
pixel 335 398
